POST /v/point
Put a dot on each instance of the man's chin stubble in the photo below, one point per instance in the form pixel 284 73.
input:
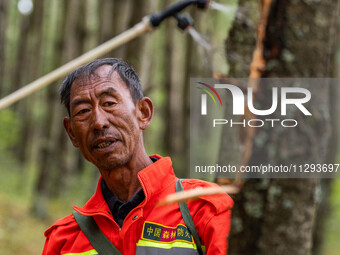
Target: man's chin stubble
pixel 112 166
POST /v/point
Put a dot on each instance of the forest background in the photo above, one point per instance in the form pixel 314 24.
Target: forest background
pixel 43 176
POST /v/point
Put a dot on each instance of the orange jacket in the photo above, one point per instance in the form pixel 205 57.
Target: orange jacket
pixel 149 229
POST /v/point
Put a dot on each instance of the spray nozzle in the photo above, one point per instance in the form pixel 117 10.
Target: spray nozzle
pixel 157 18
pixel 202 4
pixel 183 22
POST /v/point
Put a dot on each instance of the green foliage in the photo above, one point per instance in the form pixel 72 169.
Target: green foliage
pixel 10 124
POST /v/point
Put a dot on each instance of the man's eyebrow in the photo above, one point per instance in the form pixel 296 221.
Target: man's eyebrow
pixel 79 101
pixel 108 91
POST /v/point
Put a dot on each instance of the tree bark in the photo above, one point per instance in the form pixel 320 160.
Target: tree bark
pixel 282 212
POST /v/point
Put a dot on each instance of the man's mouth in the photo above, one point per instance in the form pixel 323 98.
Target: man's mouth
pixel 103 145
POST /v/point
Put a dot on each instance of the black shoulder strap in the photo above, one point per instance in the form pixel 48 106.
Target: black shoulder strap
pixel 96 237
pixel 103 245
pixel 183 206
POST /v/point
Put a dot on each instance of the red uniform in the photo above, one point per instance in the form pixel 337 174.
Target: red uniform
pixel 149 229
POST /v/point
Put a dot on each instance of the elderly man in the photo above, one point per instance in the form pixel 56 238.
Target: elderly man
pixel 107 114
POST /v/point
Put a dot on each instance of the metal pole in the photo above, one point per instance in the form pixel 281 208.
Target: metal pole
pixel 128 35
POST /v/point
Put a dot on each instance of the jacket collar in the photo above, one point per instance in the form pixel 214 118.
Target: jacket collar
pixel 154 178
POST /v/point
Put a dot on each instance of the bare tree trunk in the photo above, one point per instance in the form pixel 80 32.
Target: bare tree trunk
pixel 106 16
pixel 73 34
pixel 73 42
pixel 123 10
pixel 20 73
pixel 324 209
pixel 185 135
pixel 170 126
pixel 58 153
pixel 3 25
pixel 198 63
pixel 42 187
pixel 32 71
pixel 282 212
pixel 135 48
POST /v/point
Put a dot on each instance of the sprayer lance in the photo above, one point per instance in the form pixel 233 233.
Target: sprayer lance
pixel 157 18
pixel 144 26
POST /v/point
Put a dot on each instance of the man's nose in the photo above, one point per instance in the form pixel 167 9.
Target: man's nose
pixel 99 120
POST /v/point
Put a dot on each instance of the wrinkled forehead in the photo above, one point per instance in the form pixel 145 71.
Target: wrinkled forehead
pixel 104 78
pixel 102 73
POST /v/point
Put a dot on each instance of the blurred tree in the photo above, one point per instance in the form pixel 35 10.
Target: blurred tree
pixel 28 72
pixel 3 25
pixel 174 79
pixel 52 168
pixel 47 146
pixel 282 212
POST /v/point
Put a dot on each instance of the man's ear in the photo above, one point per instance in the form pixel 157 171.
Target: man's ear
pixel 145 112
pixel 68 128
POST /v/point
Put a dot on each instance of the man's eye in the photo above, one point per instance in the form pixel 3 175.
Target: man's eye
pixel 107 104
pixel 82 111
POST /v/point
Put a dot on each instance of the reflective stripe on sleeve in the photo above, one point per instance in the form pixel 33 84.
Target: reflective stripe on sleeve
pixel 90 252
pixel 179 248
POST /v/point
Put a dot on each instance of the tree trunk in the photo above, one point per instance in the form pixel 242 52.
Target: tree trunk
pixel 282 212
pixel 73 42
pixel 31 72
pixel 122 15
pixel 72 33
pixel 3 25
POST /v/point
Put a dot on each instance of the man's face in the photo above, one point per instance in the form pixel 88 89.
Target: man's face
pixel 104 120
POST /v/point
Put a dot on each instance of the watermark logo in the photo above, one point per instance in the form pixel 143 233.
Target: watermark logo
pixel 289 96
pixel 281 123
pixel 239 99
pixel 204 97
